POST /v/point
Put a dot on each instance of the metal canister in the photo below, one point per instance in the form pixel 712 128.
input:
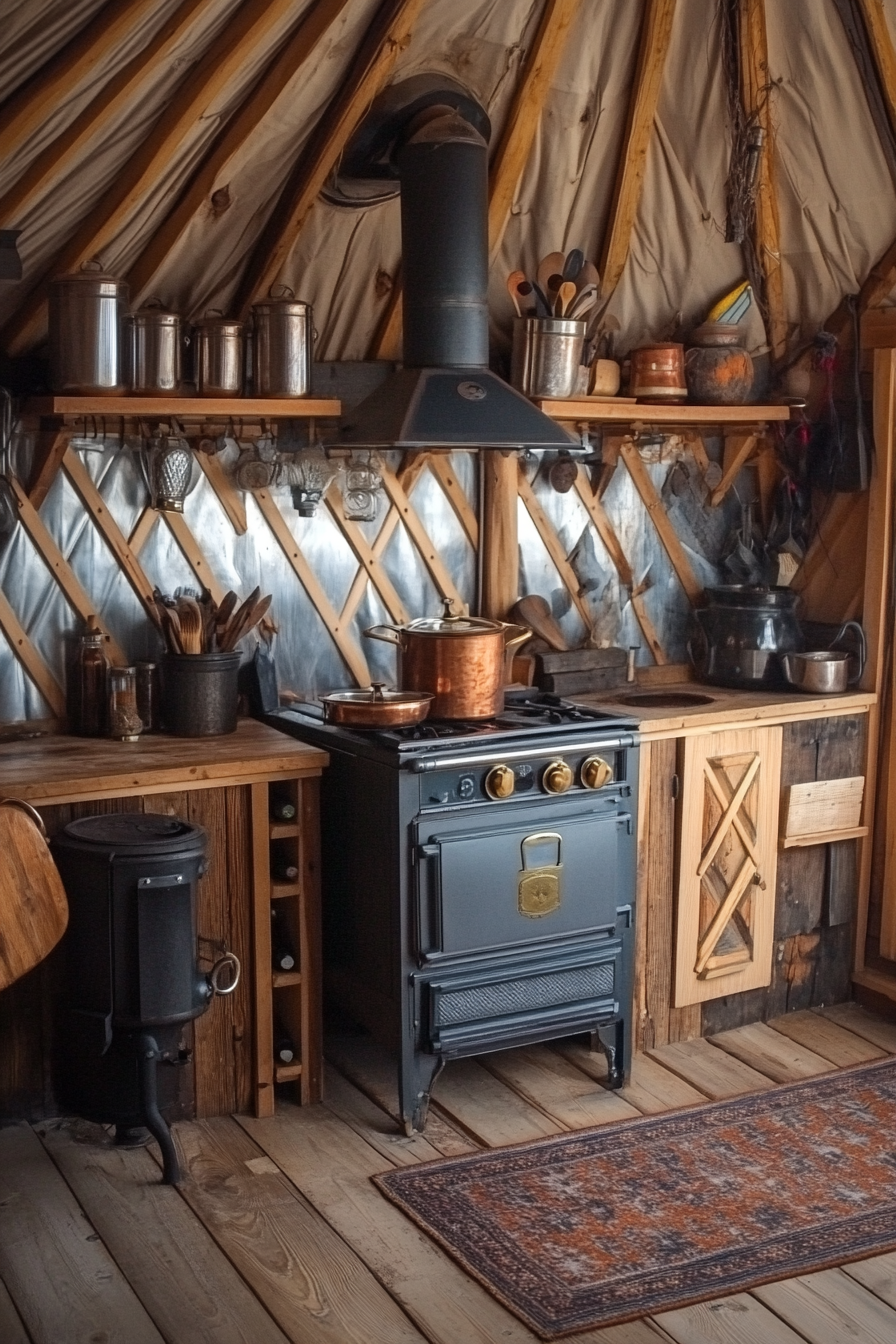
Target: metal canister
pixel 283 339
pixel 155 347
pixel 219 356
pixel 547 352
pixel 86 322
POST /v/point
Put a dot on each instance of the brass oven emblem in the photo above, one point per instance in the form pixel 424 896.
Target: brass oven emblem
pixel 539 887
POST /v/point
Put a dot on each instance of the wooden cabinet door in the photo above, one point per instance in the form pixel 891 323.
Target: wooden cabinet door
pixel 727 861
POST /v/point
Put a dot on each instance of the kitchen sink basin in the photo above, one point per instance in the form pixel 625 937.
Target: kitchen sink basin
pixel 666 699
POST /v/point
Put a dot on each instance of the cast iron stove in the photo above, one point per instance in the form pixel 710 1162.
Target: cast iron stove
pixel 479 881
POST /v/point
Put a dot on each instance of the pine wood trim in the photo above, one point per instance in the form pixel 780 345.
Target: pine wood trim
pixel 370 71
pixel 755 78
pixel 262 998
pixel 342 637
pixel 554 548
pixel 607 534
pixel 500 542
pixel 883 50
pixel 112 534
pixel 26 110
pixel 366 557
pixel 30 658
pixel 656 32
pixel 111 98
pixel 271 84
pixel 654 505
pixel 220 65
pixel 65 576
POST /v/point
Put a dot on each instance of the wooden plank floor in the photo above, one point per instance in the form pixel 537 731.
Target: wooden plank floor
pixel 278 1234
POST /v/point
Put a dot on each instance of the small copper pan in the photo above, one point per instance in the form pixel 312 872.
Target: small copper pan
pixel 376 707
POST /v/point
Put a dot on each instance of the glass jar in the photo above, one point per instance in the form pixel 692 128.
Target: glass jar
pixel 124 723
pixel 91 669
pixel 148 696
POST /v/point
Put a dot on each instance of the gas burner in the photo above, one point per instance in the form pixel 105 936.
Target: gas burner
pixel 439 728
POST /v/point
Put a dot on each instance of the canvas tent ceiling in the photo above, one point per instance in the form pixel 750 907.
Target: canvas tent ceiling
pixel 835 191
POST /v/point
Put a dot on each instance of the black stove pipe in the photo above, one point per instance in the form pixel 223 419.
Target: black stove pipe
pixel 443 167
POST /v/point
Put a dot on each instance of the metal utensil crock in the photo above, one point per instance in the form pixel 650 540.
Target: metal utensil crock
pixel 154 348
pixel 219 356
pixel 86 324
pixel 460 659
pixel 547 352
pixel 282 342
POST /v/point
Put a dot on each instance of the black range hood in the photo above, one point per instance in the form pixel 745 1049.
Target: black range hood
pixel 432 136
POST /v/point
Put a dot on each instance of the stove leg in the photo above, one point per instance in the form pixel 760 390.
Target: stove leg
pixel 416 1089
pixel 149 1058
pixel 610 1039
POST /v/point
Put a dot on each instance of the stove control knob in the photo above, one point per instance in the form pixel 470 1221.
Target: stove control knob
pixel 596 772
pixel 499 782
pixel 557 777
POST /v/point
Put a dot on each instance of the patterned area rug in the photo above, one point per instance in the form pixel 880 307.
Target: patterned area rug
pixel 644 1215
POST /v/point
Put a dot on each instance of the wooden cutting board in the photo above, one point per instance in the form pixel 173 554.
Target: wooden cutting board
pixel 33 908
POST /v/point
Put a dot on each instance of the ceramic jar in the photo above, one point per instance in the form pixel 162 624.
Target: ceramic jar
pixel 718 370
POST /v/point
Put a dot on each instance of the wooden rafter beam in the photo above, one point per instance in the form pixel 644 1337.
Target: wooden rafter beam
pixel 370 70
pixel 755 83
pixel 26 110
pixel 656 32
pixel 270 85
pixel 512 153
pixel 193 100
pixel 110 100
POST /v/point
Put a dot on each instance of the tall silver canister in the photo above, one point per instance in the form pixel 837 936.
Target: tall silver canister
pixel 155 351
pixel 87 313
pixel 283 341
pixel 546 355
pixel 218 356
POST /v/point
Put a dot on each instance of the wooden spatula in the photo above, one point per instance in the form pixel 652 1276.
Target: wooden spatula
pixel 33 908
pixel 534 612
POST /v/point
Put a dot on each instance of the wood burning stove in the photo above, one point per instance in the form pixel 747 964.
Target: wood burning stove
pixel 479 882
pixel 132 976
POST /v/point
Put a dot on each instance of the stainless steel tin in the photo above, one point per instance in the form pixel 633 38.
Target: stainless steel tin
pixel 547 352
pixel 154 346
pixel 86 323
pixel 219 357
pixel 282 343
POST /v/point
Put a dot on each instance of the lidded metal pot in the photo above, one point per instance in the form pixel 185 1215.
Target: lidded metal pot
pixel 87 313
pixel 743 633
pixel 283 341
pixel 219 356
pixel 155 350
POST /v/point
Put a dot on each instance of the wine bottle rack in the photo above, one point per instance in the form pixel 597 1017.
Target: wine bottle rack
pixel 290 998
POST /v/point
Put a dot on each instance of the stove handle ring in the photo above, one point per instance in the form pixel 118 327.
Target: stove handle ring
pixel 230 961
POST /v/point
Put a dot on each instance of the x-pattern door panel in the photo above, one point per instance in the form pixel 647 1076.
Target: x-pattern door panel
pixel 727 863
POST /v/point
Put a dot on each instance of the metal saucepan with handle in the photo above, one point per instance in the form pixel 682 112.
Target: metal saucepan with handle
pixel 826 672
pixel 376 707
pixel 460 659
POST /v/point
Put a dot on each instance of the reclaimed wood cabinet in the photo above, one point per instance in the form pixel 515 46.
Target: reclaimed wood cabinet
pixel 730 785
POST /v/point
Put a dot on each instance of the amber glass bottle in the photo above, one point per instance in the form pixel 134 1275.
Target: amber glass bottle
pixel 91 671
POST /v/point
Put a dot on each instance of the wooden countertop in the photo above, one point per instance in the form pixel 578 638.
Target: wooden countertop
pixel 725 708
pixel 62 769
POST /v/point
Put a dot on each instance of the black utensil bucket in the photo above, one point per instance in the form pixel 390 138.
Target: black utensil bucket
pixel 199 693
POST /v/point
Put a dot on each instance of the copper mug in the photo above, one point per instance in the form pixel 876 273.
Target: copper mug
pixel 657 373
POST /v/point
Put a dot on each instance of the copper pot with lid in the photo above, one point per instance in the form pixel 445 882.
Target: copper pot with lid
pixel 460 659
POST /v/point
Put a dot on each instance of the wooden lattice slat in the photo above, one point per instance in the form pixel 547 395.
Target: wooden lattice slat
pixel 30 659
pixel 645 487
pixel 365 555
pixel 428 553
pixel 440 466
pixel 228 496
pixel 408 475
pixel 555 549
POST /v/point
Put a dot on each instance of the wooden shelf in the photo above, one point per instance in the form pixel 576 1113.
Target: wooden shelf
pixel 279 890
pixel 284 830
pixel 195 408
pixel 287 1073
pixel 621 411
pixel 283 979
pixel 823 837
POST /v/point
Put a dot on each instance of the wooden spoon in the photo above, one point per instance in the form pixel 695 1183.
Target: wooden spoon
pixel 584 301
pixel 548 267
pixel 565 295
pixel 534 612
pixel 588 275
pixel 228 641
pixel 514 279
pixel 189 615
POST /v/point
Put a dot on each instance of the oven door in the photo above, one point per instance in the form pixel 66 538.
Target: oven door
pixel 486 883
